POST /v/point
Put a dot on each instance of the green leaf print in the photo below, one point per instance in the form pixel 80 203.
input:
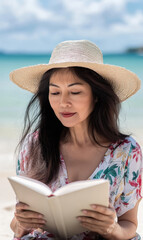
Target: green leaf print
pixel 123 197
pixel 135 175
pixel 109 178
pixel 119 171
pixel 110 171
pixel 18 166
pixel 97 176
pixel 127 174
pixel 131 148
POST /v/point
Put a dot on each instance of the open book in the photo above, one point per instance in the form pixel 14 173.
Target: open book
pixel 63 206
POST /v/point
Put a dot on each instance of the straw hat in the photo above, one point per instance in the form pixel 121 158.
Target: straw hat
pixel 80 53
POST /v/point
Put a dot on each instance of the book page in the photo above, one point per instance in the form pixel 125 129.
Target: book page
pixel 71 204
pixel 75 186
pixel 32 184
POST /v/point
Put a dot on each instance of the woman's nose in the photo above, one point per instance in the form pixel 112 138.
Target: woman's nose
pixel 65 101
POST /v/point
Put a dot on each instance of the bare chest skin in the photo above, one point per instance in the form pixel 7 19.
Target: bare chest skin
pixel 81 161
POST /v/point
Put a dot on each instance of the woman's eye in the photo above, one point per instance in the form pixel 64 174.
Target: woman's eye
pixel 57 93
pixel 75 93
pixel 54 93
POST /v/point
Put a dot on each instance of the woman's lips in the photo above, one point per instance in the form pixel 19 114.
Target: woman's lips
pixel 67 114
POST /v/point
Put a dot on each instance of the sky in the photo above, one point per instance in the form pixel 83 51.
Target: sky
pixel 37 26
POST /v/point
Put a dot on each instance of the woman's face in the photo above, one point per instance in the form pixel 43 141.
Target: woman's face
pixel 70 98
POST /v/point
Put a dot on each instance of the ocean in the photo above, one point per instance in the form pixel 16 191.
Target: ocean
pixel 13 100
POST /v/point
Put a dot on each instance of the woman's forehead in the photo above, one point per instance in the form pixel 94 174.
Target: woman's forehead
pixel 63 76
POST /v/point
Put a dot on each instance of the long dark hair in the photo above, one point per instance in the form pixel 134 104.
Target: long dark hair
pixel 44 153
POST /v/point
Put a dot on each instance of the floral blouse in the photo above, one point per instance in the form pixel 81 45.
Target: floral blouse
pixel 122 166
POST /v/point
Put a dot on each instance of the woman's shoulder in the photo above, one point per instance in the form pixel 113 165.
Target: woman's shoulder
pixel 126 149
pixel 25 145
pixel 24 151
pixel 30 137
pixel 127 143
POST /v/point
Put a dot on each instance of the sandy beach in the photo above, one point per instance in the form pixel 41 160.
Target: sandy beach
pixel 7 202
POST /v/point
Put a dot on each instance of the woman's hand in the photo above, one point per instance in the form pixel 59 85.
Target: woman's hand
pixel 101 219
pixel 27 220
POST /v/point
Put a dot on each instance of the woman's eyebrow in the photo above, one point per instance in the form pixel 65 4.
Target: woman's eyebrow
pixel 70 85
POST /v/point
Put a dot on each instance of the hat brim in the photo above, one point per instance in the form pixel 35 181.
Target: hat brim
pixel 125 83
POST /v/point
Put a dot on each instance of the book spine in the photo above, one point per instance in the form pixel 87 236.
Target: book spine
pixel 58 218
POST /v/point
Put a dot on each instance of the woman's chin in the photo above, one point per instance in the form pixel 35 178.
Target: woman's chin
pixel 68 124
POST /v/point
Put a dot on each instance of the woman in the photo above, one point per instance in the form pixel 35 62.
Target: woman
pixel 73 135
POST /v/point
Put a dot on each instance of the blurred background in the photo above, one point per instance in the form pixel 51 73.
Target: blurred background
pixel 29 30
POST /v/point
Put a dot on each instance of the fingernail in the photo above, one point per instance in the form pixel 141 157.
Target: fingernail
pixel 44 221
pixel 84 211
pixel 26 206
pixel 93 206
pixel 79 218
pixel 40 216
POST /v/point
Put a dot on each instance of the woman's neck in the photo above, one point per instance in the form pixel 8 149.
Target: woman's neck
pixel 79 137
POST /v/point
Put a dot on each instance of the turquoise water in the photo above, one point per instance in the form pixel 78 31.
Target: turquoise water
pixel 13 100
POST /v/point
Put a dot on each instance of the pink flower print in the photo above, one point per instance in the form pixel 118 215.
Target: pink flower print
pixel 22 165
pixel 125 141
pixel 22 161
pixel 112 150
pixel 66 180
pixel 139 180
pixel 117 209
pixel 138 192
pixel 136 153
pixel 133 183
pixel 135 156
pixel 61 157
pixel 50 235
pixel 125 203
pixel 35 135
pixel 127 163
pixel 115 181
